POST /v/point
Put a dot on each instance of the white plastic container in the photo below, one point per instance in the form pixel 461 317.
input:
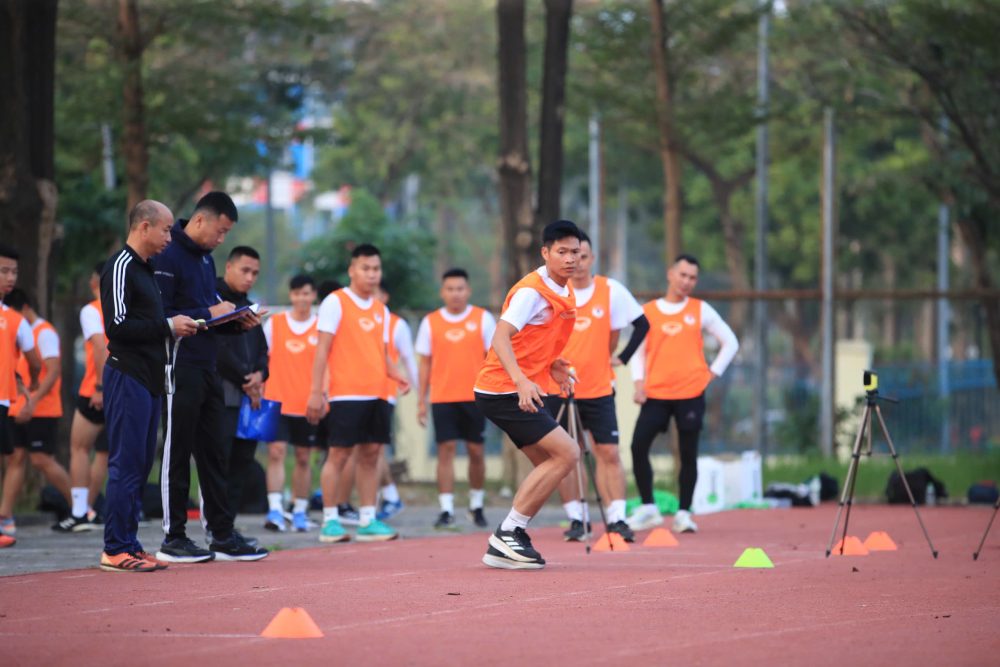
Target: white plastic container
pixel 710 491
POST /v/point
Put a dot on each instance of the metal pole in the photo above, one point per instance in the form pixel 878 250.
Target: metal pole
pixel 619 262
pixel 760 251
pixel 826 288
pixel 271 278
pixel 107 157
pixel 943 315
pixel 595 188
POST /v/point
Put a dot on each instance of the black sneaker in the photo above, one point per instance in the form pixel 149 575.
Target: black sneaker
pixel 445 521
pixel 513 551
pixel 622 529
pixel 236 548
pixel 575 532
pixel 478 517
pixel 252 541
pixel 349 515
pixel 183 550
pixel 75 524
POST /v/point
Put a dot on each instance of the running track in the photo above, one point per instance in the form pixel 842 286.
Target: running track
pixel 430 602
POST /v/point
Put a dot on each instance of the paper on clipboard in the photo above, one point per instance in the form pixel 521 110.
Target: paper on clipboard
pixel 235 315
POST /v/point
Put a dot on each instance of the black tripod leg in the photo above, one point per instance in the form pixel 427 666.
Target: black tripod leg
pixel 847 496
pixel 906 485
pixel 996 506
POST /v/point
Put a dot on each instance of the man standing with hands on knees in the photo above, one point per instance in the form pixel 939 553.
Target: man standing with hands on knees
pixel 671 375
pixel 196 419
pixel 134 379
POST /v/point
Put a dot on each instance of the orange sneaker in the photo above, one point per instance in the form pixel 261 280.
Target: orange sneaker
pixel 150 558
pixel 125 562
pixel 7 541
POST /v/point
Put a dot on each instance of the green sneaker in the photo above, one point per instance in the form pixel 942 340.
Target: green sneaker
pixel 376 531
pixel 333 532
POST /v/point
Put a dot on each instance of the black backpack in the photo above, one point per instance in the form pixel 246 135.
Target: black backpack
pixel 918 480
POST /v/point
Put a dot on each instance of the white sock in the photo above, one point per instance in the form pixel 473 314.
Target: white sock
pixel 301 505
pixel 274 501
pixel 616 511
pixel 366 514
pixel 390 493
pixel 476 498
pixel 515 520
pixel 447 501
pixel 79 496
pixel 649 508
pixel 574 510
pixel 331 514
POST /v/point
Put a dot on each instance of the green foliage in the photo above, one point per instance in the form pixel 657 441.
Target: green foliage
pixel 405 252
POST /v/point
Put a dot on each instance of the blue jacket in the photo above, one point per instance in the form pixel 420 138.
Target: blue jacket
pixel 185 273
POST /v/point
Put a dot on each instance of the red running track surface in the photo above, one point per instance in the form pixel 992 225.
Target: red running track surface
pixel 431 601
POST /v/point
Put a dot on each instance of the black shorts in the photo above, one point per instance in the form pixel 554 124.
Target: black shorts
pixel 458 421
pixel 524 428
pixel 37 436
pixel 358 422
pixel 597 414
pixel 90 414
pixel 688 412
pixel 6 443
pixel 298 431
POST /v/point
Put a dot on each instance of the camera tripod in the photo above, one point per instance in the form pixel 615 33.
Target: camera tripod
pixel 996 506
pixel 865 434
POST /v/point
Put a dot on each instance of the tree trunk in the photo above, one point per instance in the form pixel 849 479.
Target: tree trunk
pixel 550 155
pixel 134 141
pixel 514 165
pixel 669 156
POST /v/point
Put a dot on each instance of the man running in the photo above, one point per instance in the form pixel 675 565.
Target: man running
pixel 536 322
pixel 452 343
pixel 352 354
pixel 603 308
pixel 671 375
pixel 291 338
pixel 87 428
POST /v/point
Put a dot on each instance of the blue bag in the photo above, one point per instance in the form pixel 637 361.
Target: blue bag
pixel 259 424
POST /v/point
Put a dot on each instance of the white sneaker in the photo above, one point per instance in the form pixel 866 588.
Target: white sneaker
pixel 683 522
pixel 644 518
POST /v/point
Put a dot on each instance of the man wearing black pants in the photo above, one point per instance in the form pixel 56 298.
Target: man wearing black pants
pixel 671 376
pixel 134 380
pixel 196 422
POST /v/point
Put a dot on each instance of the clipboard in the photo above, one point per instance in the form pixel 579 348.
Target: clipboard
pixel 229 317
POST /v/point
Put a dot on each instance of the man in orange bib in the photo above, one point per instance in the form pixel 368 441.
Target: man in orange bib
pixel 671 374
pixel 537 320
pixel 603 308
pixel 452 342
pixel 352 353
pixel 87 428
pixel 292 337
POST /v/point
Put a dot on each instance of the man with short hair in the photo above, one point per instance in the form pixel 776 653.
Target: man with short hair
pixel 524 357
pixel 671 375
pixel 135 378
pixel 196 420
pixel 603 308
pixel 87 428
pixel 452 343
pixel 15 339
pixel 352 354
pixel 291 339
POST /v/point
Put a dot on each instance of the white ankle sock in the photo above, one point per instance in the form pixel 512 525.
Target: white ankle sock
pixel 476 498
pixel 447 502
pixel 274 501
pixel 79 496
pixel 331 514
pixel 301 505
pixel 616 511
pixel 515 520
pixel 574 510
pixel 366 514
pixel 390 493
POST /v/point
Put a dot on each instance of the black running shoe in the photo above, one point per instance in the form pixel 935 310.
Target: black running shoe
pixel 183 550
pixel 478 517
pixel 349 515
pixel 236 548
pixel 252 541
pixel 515 545
pixel 445 521
pixel 575 532
pixel 622 529
pixel 495 558
pixel 75 524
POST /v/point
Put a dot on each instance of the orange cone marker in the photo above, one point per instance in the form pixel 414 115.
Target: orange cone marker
pixel 292 623
pixel 880 541
pixel 852 547
pixel 608 540
pixel 660 537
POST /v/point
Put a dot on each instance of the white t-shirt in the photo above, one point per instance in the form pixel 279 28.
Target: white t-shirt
pixel 330 312
pixel 90 322
pixel 402 340
pixel 624 308
pixel 487 326
pixel 48 341
pixel 711 322
pixel 298 328
pixel 528 306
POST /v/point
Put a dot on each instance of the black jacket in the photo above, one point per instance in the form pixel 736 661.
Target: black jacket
pixel 239 355
pixel 134 320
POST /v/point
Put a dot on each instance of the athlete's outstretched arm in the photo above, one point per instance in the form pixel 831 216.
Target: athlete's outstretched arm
pixel 529 394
